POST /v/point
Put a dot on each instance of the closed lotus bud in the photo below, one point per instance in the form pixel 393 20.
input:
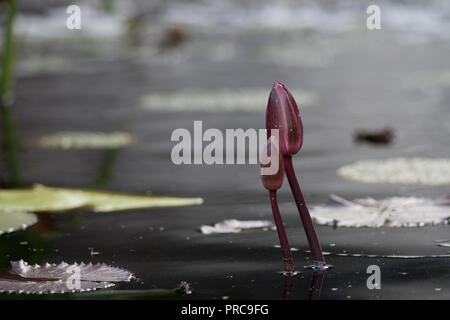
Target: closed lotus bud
pixel 272 167
pixel 282 113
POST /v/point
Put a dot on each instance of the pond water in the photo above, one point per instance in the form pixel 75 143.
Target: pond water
pixel 359 79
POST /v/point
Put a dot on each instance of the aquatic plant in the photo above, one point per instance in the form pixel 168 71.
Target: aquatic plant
pixel 388 212
pixel 273 183
pixel 57 278
pixel 7 96
pixel 282 114
pixel 41 198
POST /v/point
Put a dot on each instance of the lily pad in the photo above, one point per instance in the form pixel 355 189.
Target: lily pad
pixel 40 198
pixel 11 221
pixel 390 212
pixel 246 99
pixel 423 171
pixel 86 140
pixel 57 278
pixel 236 226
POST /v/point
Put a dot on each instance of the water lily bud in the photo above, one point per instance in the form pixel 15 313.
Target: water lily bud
pixel 282 113
pixel 272 166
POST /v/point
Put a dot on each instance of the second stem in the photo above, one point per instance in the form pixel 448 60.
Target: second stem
pixel 308 225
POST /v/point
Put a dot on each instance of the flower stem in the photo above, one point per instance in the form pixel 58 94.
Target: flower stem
pixel 308 225
pixel 285 248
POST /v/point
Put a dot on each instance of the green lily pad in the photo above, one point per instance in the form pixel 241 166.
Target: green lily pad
pixel 40 198
pixel 15 220
pixel 86 140
pixel 421 171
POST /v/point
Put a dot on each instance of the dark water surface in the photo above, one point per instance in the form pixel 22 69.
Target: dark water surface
pixel 372 80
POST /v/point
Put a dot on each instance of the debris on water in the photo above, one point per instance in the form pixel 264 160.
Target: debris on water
pixel 444 244
pixel 290 273
pixel 185 288
pixel 278 247
pixel 422 171
pixel 437 289
pixel 92 252
pixel 236 226
pixel 391 212
pixel 382 136
pixel 225 297
pixel 173 37
pixel 441 240
pixel 318 267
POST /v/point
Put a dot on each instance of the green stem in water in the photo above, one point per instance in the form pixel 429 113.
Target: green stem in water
pixel 6 97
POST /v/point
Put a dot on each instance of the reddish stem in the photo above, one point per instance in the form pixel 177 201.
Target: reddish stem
pixel 316 285
pixel 287 288
pixel 308 225
pixel 285 248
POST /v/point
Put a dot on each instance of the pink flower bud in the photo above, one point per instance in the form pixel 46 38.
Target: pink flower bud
pixel 272 173
pixel 282 113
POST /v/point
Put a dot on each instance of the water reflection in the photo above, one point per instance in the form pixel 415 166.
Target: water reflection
pixel 105 170
pixel 287 288
pixel 314 288
pixel 316 285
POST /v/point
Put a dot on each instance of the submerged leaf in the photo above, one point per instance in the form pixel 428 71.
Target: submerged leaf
pixel 236 226
pixel 15 220
pixel 425 171
pixel 86 140
pixel 391 212
pixel 48 199
pixel 56 278
pixel 182 290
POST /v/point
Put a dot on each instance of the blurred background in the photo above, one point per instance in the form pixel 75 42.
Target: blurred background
pixel 146 68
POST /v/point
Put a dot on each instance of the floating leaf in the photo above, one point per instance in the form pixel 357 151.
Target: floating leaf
pixel 40 198
pixel 426 171
pixel 247 99
pixel 56 278
pixel 86 140
pixel 236 226
pixel 15 220
pixel 391 212
pixel 48 287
